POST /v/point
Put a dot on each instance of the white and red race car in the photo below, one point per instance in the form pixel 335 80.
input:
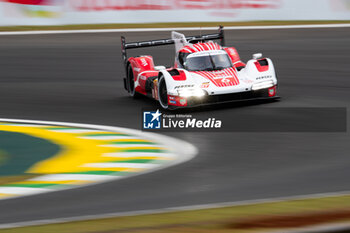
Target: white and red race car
pixel 204 73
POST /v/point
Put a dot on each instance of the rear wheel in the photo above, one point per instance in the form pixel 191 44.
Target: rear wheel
pixel 163 92
pixel 131 82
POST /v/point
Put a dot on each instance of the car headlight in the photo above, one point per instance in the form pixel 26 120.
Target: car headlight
pixel 262 85
pixel 199 93
pixel 185 93
pixel 191 92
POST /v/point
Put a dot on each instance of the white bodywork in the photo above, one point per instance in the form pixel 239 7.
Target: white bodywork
pixel 250 79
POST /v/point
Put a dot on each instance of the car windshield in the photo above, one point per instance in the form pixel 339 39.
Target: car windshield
pixel 208 62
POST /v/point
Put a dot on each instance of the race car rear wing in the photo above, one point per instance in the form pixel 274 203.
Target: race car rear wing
pixel 141 44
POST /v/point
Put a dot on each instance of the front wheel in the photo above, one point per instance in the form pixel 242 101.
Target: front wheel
pixel 163 92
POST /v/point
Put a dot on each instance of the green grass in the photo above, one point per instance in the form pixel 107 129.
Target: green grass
pixel 164 25
pixel 3 157
pixel 23 151
pixel 219 220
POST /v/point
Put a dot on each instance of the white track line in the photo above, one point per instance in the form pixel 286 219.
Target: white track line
pixel 108 137
pixel 25 125
pixel 21 190
pixel 74 131
pixel 65 177
pixel 172 29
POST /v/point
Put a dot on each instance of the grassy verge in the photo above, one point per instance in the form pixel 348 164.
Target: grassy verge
pixel 239 219
pixel 163 25
pixel 3 157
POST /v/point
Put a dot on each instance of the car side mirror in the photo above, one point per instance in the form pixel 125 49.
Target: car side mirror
pixel 159 68
pixel 257 55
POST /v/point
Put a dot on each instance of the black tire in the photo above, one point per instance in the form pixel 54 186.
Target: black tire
pixel 162 92
pixel 130 81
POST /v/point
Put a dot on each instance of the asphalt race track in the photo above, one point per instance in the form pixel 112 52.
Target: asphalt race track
pixel 78 78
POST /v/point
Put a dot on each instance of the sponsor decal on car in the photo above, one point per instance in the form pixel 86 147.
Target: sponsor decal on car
pixel 144 62
pixel 205 85
pixel 183 101
pixel 272 91
pixel 225 80
pixel 263 77
pixel 184 86
pixel 142 77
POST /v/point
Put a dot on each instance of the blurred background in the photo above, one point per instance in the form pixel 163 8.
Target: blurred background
pixel 61 12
